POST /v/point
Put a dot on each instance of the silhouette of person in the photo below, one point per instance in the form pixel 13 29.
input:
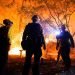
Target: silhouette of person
pixel 33 33
pixel 4 44
pixel 64 42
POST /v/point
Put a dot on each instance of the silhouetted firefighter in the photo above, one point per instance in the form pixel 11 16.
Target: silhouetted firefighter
pixel 34 40
pixel 4 44
pixel 64 42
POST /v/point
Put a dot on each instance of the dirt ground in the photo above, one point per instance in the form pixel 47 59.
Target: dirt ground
pixel 47 67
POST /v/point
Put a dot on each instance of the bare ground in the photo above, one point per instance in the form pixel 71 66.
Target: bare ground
pixel 47 67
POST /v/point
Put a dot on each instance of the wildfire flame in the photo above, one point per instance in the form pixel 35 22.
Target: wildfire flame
pixel 49 53
pixel 16 51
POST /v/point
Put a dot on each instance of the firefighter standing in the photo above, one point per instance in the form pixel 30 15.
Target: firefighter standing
pixel 4 43
pixel 35 39
pixel 65 41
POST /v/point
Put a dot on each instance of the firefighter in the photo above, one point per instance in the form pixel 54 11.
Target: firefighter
pixel 64 43
pixel 4 43
pixel 35 40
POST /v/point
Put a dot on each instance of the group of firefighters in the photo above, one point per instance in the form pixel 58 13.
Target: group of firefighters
pixel 32 41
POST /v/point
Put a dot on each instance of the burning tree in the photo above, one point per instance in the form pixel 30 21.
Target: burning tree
pixel 61 11
pixel 52 13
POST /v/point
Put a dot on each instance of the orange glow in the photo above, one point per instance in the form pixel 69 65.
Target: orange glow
pixel 16 51
pixel 21 16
